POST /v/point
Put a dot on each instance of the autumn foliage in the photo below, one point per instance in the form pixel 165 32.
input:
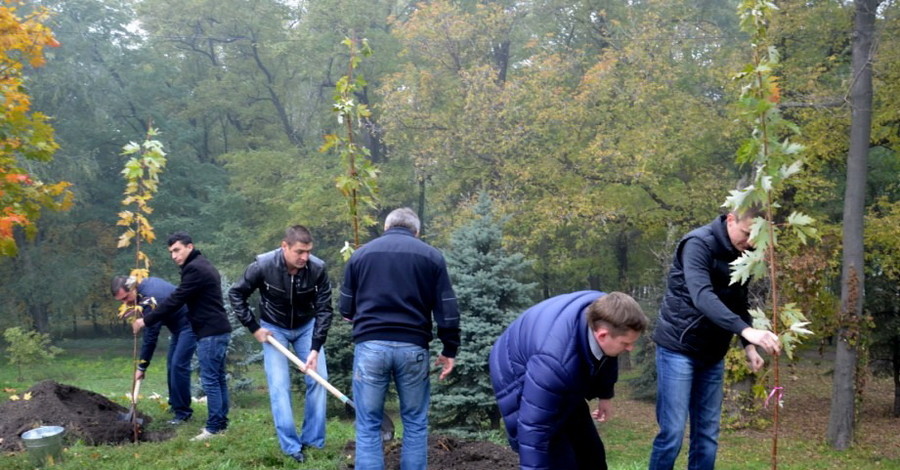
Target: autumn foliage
pixel 24 135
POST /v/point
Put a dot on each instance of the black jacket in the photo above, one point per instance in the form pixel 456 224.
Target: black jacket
pixel 394 286
pixel 201 291
pixel 284 300
pixel 701 309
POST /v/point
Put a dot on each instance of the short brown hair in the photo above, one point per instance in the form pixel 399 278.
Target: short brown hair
pixel 297 234
pixel 618 312
pixel 750 212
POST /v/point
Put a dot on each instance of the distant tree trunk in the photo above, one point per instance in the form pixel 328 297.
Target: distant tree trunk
pixel 36 310
pixel 895 347
pixel 843 396
pixel 501 60
pixel 40 319
pixel 74 323
pixel 421 212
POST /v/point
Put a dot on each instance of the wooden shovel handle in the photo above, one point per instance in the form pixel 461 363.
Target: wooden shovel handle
pixel 315 375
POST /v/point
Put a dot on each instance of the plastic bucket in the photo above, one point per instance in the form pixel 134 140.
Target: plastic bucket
pixel 44 444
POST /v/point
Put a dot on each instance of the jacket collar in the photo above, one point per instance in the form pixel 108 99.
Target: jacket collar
pixel 596 350
pixel 399 231
pixel 191 257
pixel 720 232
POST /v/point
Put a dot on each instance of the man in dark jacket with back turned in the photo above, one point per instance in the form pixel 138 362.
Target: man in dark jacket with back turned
pixel 294 308
pixel 201 291
pixel 554 357
pixel 393 287
pixel 700 314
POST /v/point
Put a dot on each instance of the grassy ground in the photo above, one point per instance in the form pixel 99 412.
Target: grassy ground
pixel 103 366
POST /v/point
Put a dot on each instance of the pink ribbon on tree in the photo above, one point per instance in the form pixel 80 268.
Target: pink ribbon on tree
pixel 779 391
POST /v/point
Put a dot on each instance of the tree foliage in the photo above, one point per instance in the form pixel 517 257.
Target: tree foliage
pixel 358 184
pixel 27 348
pixel 774 159
pixel 487 281
pixel 25 136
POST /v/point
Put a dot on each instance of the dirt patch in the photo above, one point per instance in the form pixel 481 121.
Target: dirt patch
pixel 86 416
pixel 449 453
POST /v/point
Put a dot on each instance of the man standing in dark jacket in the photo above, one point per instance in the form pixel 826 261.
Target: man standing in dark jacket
pixel 549 362
pixel 201 291
pixel 182 343
pixel 700 314
pixel 294 308
pixel 393 287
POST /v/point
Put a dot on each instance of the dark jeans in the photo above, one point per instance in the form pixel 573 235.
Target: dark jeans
pixel 577 445
pixel 211 352
pixel 178 365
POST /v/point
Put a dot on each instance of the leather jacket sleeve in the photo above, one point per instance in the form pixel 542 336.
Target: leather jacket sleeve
pixel 324 309
pixel 239 296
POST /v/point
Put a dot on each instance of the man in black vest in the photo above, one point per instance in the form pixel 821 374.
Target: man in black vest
pixel 700 314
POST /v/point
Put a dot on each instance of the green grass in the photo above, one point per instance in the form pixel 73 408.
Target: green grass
pixel 104 366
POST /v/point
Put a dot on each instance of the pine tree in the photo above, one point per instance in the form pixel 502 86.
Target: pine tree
pixel 486 280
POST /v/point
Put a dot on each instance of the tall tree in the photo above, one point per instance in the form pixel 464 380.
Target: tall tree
pixel 25 136
pixel 486 278
pixel 843 397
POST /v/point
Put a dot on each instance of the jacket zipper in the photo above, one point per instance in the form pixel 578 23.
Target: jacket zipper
pixel 690 325
pixel 290 308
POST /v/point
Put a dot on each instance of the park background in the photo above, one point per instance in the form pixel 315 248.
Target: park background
pixel 548 146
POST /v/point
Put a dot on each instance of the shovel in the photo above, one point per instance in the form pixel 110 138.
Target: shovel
pixel 387 426
pixel 131 416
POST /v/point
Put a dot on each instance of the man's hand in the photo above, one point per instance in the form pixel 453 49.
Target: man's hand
pixel 603 411
pixel 754 360
pixel 446 364
pixel 764 339
pixel 137 325
pixel 312 360
pixel 261 334
pixel 139 375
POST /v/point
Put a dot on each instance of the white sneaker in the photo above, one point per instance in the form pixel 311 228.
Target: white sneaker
pixel 204 435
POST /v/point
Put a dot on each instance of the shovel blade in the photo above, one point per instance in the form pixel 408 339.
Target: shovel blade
pixel 387 425
pixel 130 417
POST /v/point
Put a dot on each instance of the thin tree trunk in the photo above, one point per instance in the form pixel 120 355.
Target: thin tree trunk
pixel 895 346
pixel 843 397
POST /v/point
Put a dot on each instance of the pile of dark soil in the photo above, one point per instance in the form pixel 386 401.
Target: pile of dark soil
pixel 86 416
pixel 449 453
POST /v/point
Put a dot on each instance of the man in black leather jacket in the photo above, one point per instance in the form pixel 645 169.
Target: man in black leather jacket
pixel 295 308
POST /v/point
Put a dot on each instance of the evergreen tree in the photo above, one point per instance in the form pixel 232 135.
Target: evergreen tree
pixel 486 280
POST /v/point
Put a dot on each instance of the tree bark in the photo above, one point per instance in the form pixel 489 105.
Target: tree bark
pixel 843 396
pixel 895 347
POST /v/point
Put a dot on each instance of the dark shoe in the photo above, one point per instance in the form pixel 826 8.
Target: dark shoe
pixel 298 456
pixel 178 421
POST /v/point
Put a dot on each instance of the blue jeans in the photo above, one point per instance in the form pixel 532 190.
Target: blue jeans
pixel 278 376
pixel 211 352
pixel 375 364
pixel 178 365
pixel 687 387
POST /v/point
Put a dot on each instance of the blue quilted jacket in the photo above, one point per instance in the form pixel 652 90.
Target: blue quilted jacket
pixel 541 367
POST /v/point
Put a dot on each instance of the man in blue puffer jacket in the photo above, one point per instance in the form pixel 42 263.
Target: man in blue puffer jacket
pixel 549 362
